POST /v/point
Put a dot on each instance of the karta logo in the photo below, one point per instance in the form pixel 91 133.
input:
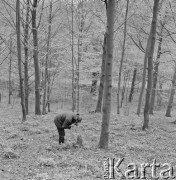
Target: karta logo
pixel 134 171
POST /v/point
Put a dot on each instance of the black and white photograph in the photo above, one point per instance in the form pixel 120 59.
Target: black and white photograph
pixel 87 89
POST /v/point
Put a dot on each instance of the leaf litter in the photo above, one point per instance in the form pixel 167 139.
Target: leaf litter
pixel 30 150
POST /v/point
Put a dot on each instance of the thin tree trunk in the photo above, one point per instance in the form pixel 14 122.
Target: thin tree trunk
pixel 126 95
pixel 150 64
pixel 122 59
pixel 19 58
pixel 26 38
pixel 102 78
pixel 104 137
pixel 123 91
pixel 143 77
pixel 36 61
pixel 124 88
pixel 10 70
pixel 49 87
pixel 155 74
pixel 47 57
pixel 81 20
pixel 73 68
pixel 132 85
pixel 94 83
pixel 48 94
pixel 159 96
pixel 172 93
pixel 78 73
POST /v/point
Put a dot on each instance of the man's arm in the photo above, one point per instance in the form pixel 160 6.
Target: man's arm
pixel 66 124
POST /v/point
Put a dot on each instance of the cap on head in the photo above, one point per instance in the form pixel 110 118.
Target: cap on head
pixel 78 118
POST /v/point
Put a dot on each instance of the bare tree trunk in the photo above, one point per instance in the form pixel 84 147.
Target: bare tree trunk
pixel 94 83
pixel 81 25
pixel 104 137
pixel 73 69
pixel 19 58
pixel 26 38
pixel 102 78
pixel 143 77
pixel 49 87
pixel 132 85
pixel 122 58
pixel 159 96
pixel 48 93
pixel 155 74
pixel 78 73
pixel 10 70
pixel 150 64
pixel 47 57
pixel 171 97
pixel 124 87
pixel 36 61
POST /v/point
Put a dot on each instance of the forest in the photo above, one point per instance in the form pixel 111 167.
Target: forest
pixel 109 64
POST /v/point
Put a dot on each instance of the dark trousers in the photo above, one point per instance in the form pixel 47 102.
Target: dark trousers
pixel 61 132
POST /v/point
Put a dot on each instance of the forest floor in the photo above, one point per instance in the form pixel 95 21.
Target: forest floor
pixel 30 150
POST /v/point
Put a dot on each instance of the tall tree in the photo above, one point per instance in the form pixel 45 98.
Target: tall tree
pixel 122 58
pixel 132 85
pixel 47 58
pixel 143 77
pixel 35 56
pixel 26 53
pixel 156 67
pixel 80 36
pixel 18 30
pixel 102 78
pixel 10 70
pixel 124 87
pixel 73 68
pixel 104 137
pixel 172 93
pixel 150 64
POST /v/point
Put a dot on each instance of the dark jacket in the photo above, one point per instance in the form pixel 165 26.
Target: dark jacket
pixel 65 120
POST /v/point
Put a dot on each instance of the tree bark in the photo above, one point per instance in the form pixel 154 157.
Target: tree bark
pixel 26 38
pixel 172 93
pixel 48 93
pixel 143 77
pixel 159 96
pixel 77 71
pixel 155 74
pixel 81 25
pixel 18 19
pixel 36 61
pixel 122 58
pixel 102 78
pixel 10 70
pixel 104 137
pixel 124 87
pixel 94 83
pixel 132 85
pixel 47 58
pixel 150 64
pixel 73 67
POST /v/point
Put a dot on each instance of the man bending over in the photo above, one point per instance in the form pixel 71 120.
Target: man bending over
pixel 64 121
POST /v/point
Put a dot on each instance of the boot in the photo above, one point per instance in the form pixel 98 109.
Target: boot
pixel 61 139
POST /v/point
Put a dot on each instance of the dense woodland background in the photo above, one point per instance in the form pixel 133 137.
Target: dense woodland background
pixel 108 60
